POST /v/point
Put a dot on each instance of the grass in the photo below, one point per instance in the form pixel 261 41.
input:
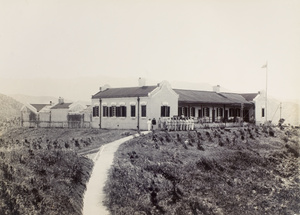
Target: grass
pixel 211 171
pixel 42 182
pixel 43 171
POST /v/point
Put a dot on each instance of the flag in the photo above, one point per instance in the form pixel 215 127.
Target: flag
pixel 265 66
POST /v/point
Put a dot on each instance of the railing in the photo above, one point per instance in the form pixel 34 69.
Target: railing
pixel 56 124
pixel 218 119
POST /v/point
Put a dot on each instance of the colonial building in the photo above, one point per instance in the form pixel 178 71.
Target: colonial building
pixel 33 113
pixel 59 115
pixel 132 107
pixel 214 106
pixel 272 110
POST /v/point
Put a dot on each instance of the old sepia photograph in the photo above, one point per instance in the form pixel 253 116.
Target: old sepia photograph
pixel 147 107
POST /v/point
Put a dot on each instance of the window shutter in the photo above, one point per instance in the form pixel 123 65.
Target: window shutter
pixel 125 111
pixel 132 110
pixel 179 111
pixel 193 111
pixel 110 111
pixel 144 111
pixel 162 111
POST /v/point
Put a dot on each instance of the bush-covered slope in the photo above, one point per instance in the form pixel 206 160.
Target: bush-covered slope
pixel 9 108
pixel 42 171
pixel 42 181
pixel 237 171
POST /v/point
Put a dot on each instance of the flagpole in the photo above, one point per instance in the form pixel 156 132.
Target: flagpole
pixel 267 92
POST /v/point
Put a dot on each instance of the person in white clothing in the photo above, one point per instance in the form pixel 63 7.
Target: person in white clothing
pixel 169 124
pixel 149 124
pixel 192 124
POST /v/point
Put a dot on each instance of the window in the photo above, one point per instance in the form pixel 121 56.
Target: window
pixel 165 111
pixel 193 112
pixel 200 113
pixel 105 111
pixel 121 111
pixel 95 111
pixel 32 116
pixel 112 111
pixel 132 110
pixel 118 111
pixel 144 110
pixel 206 112
pixel 231 112
pixel 179 111
pixel 238 112
pixel 184 111
pixel 220 112
pixel 262 112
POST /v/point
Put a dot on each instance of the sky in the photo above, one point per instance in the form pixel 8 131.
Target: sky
pixel 72 47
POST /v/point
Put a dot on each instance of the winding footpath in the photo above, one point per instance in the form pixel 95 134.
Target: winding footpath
pixel 94 195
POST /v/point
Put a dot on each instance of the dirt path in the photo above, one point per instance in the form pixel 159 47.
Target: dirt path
pixel 94 195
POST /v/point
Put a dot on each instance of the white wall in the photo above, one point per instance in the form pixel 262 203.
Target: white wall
pixel 153 103
pixel 25 114
pixel 44 116
pixel 164 96
pixel 59 115
pixel 127 122
pixel 273 111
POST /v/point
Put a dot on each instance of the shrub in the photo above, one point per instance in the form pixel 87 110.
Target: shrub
pixel 280 123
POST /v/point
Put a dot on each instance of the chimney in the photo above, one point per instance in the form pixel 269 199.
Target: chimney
pixel 103 88
pixel 216 88
pixel 262 92
pixel 142 82
pixel 60 100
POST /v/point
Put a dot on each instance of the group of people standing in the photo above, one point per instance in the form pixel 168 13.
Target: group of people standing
pixel 173 123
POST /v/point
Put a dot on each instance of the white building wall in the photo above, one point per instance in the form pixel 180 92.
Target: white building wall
pixel 273 111
pixel 127 122
pixel 44 116
pixel 95 120
pixel 25 114
pixel 160 96
pixel 59 115
pixel 165 96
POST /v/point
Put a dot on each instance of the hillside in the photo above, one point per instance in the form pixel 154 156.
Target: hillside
pixel 35 99
pixel 43 171
pixel 210 171
pixel 290 112
pixel 9 108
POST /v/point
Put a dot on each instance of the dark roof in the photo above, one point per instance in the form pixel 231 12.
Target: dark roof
pixel 199 96
pixel 235 98
pixel 39 107
pixel 61 106
pixel 209 97
pixel 124 92
pixel 249 96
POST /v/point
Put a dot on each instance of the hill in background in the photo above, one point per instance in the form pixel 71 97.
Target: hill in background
pixel 24 99
pixel 9 108
pixel 290 111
